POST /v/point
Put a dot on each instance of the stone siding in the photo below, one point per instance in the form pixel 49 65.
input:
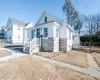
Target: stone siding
pixel 63 44
pixel 50 44
pixel 47 44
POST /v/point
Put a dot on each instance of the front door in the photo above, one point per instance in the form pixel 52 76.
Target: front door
pixel 38 33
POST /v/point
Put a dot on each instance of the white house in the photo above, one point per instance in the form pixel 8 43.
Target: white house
pixel 15 31
pixel 3 33
pixel 52 33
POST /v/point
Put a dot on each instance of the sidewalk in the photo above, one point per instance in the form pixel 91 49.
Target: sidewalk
pixel 92 63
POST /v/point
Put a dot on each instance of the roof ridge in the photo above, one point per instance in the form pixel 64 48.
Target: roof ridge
pixel 17 22
pixel 16 19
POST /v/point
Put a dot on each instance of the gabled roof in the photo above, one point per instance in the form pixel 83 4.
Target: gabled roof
pixel 17 22
pixel 29 25
pixel 59 21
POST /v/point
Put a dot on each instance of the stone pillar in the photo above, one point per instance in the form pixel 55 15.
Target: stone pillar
pixel 50 44
pixel 63 44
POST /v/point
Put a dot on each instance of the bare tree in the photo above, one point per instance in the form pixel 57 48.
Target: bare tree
pixel 81 23
pixel 70 12
pixel 97 22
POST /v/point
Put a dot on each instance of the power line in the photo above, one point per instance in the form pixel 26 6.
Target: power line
pixel 87 5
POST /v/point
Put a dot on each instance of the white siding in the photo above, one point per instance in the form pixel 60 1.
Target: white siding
pixel 17 33
pixel 69 40
pixel 62 32
pixel 76 41
pixel 29 34
pixel 50 17
pixel 54 31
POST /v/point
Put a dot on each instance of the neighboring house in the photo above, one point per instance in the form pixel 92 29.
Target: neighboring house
pixel 53 34
pixel 3 33
pixel 15 31
pixel 76 40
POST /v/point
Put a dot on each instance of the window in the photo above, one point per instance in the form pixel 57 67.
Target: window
pixel 8 29
pixel 45 19
pixel 57 32
pixel 18 28
pixel 73 37
pixel 18 37
pixel 33 33
pixel 9 37
pixel 69 35
pixel 38 33
pixel 45 32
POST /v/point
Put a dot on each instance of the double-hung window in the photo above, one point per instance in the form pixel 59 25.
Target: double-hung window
pixel 45 19
pixel 45 32
pixel 33 33
pixel 73 37
pixel 18 28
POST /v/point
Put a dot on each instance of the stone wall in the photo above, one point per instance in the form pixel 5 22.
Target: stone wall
pixel 47 44
pixel 50 44
pixel 63 44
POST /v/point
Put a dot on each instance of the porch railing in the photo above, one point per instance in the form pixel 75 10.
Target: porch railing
pixel 31 44
pixel 34 43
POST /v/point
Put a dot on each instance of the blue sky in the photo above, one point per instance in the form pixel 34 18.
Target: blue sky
pixel 30 10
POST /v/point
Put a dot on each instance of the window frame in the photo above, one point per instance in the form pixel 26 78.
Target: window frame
pixel 18 28
pixel 10 37
pixel 32 33
pixel 45 33
pixel 45 19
